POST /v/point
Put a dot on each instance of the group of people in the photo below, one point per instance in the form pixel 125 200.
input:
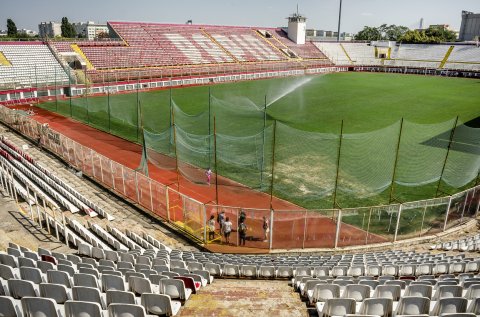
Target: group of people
pixel 226 227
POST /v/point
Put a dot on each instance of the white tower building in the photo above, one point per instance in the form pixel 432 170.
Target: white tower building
pixel 297 27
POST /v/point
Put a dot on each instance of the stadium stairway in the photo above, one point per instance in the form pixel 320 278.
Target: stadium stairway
pixel 4 61
pixel 219 45
pixel 447 55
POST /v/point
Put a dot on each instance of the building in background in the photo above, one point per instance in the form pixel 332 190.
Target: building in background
pixel 470 27
pixel 90 30
pixel 49 29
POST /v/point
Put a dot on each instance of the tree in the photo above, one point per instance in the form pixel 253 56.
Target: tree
pixel 368 34
pixel 383 32
pixel 11 28
pixel 67 28
pixel 441 34
pixel 429 36
pixel 394 32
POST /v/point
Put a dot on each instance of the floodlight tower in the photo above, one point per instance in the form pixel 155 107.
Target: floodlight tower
pixel 339 20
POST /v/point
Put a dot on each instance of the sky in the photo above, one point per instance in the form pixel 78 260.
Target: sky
pixel 321 14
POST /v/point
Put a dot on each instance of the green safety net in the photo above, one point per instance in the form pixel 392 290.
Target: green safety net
pixel 246 159
pixel 422 152
pixel 160 149
pixel 367 161
pixel 305 165
pixel 194 154
pixel 463 163
pixel 237 116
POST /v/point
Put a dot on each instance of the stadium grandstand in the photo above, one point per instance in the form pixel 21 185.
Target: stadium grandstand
pixel 146 174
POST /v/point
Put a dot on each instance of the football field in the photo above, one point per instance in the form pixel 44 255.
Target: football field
pixel 291 127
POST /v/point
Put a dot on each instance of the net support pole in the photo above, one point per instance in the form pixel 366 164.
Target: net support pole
pixel 338 166
pixel 338 228
pixel 138 102
pixel 452 133
pixel 175 147
pixel 109 111
pixel 477 180
pixel 215 157
pixel 55 87
pixel 478 208
pixel 29 202
pixel 273 164
pixel 14 188
pixel 37 207
pixel 398 222
pixel 392 186
pixel 46 217
pixel 36 85
pixel 210 126
pixel 368 225
pixel 263 142
pixel 464 205
pixel 446 214
pixel 86 93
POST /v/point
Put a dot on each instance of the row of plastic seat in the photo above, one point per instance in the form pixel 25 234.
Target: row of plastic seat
pixel 318 290
pixel 407 306
pixel 150 305
pixel 465 244
pixel 74 200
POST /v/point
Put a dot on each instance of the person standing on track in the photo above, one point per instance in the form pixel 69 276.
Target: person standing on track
pixel 208 173
pixel 227 229
pixel 221 220
pixel 211 228
pixel 242 231
pixel 266 229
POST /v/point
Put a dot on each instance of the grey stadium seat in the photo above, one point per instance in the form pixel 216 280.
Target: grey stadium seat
pixel 88 294
pixel 419 290
pixel 175 289
pixel 20 288
pixel 413 305
pixel 9 308
pixel 59 277
pixel 357 292
pixel 32 274
pixel 449 305
pixel 57 292
pixel 336 307
pixel 87 280
pixel 159 304
pixel 33 307
pixel 388 291
pixel 112 282
pixel 82 309
pixel 382 307
pixel 126 310
pixel 120 297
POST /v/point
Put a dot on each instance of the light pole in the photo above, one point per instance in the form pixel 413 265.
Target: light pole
pixel 339 20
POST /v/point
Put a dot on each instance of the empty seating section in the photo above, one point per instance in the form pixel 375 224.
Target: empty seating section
pixel 156 45
pixel 144 279
pixel 361 53
pixel 244 44
pixel 464 57
pixel 334 52
pixel 307 51
pixel 31 63
pixel 423 52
